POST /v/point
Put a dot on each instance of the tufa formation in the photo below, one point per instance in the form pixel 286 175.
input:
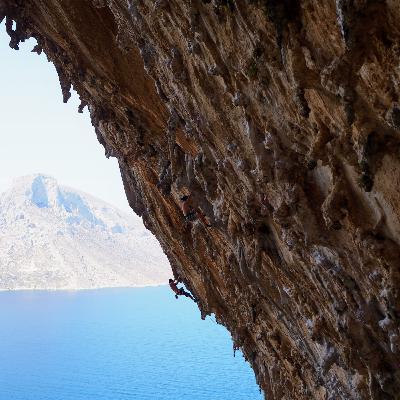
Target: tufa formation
pixel 281 118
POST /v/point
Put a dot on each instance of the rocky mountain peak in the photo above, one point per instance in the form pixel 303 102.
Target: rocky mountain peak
pixel 52 236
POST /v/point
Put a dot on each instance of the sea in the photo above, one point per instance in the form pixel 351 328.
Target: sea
pixel 116 344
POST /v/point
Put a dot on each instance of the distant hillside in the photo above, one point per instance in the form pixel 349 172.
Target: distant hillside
pixel 54 237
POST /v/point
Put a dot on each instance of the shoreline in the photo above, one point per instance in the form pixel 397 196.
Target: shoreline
pixel 78 289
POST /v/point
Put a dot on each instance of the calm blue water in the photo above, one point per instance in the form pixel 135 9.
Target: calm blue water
pixel 113 344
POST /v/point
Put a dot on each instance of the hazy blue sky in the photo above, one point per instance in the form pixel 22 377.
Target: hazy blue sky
pixel 39 133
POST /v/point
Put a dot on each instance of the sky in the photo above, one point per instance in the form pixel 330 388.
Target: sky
pixel 41 134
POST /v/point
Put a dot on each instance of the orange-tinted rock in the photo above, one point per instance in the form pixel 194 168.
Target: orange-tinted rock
pixel 282 119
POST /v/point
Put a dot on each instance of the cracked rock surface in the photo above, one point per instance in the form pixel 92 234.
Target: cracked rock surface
pixel 281 118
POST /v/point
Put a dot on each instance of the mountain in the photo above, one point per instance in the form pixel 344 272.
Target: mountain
pixel 55 237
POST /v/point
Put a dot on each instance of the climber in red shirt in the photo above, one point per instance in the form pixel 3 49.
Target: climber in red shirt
pixel 179 291
pixel 192 213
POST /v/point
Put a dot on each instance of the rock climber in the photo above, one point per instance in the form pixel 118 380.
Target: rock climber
pixel 190 212
pixel 173 284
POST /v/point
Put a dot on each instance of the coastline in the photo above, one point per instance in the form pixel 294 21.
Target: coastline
pixel 78 289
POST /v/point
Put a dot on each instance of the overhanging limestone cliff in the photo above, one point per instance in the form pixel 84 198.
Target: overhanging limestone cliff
pixel 282 119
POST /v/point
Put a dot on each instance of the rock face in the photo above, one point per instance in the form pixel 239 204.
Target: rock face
pixel 54 237
pixel 281 118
